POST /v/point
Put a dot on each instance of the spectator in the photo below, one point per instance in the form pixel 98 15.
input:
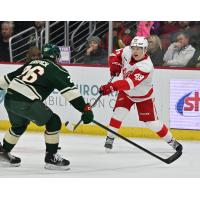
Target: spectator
pixel 144 28
pixel 180 52
pixel 195 36
pixel 155 29
pixel 195 60
pixel 94 53
pixel 39 25
pixel 7 29
pixel 155 50
pixel 33 53
pixel 118 33
pixel 169 27
pixel 125 39
pixel 183 26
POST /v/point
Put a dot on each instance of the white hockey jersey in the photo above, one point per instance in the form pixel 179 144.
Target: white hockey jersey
pixel 138 74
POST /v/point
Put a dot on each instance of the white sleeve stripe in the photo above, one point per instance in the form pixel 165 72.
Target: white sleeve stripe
pixel 71 94
pixel 67 89
pixel 130 82
pixel 3 83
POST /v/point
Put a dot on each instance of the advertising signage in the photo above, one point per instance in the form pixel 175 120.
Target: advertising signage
pixel 184 104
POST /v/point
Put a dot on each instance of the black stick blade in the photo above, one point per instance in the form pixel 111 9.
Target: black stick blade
pixel 173 157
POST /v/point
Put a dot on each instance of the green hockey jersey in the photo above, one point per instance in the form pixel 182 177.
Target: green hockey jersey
pixel 38 78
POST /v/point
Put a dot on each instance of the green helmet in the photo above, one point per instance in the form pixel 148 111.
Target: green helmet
pixel 50 51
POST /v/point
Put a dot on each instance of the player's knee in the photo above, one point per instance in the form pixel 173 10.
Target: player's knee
pixel 54 124
pixel 41 122
pixel 120 113
pixel 19 130
pixel 154 125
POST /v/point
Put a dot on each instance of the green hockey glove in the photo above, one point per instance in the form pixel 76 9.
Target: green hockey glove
pixel 87 115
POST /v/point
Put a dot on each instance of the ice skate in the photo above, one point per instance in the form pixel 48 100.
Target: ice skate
pixel 56 162
pixel 175 145
pixel 108 144
pixel 8 160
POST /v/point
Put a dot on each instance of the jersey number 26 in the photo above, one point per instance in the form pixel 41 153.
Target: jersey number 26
pixel 30 74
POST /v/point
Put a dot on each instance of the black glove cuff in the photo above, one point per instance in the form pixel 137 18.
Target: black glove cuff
pixel 78 103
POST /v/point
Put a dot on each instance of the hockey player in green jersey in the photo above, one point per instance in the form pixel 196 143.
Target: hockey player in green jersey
pixel 27 88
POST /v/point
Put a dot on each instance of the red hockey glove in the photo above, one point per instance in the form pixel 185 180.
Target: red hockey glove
pixel 107 89
pixel 115 66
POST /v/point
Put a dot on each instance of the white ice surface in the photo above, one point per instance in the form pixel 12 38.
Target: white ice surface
pixel 88 158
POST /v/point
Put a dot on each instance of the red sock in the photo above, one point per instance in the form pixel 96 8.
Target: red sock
pixel 163 132
pixel 115 123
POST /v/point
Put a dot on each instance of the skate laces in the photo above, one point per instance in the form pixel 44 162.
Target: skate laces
pixel 109 140
pixel 11 156
pixel 57 157
pixel 173 143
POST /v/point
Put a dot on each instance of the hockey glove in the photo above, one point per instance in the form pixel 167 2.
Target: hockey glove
pixel 87 115
pixel 115 66
pixel 107 89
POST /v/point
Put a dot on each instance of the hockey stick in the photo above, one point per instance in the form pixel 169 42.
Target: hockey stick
pixel 168 160
pixel 95 102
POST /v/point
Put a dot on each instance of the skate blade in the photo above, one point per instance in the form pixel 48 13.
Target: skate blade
pixel 7 164
pixel 54 167
pixel 108 150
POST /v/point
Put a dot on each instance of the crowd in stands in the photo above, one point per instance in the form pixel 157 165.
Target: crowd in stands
pixel 7 30
pixel 171 43
pixel 39 25
pixel 94 53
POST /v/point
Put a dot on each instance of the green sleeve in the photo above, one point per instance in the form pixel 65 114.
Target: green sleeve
pixel 10 76
pixel 78 103
pixel 61 80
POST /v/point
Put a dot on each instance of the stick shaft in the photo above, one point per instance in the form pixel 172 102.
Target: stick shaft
pixel 95 102
pixel 168 160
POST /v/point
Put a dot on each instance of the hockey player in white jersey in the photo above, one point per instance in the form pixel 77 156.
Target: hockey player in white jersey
pixel 135 88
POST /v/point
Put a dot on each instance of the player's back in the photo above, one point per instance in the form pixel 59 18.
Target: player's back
pixel 36 79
